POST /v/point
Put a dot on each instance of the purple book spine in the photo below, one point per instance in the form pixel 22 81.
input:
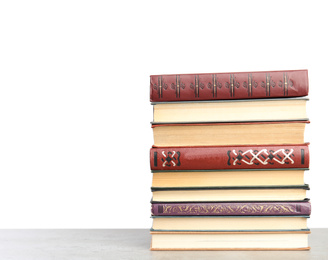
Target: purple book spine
pixel 231 209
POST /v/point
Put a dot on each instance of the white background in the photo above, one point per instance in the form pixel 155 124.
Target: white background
pixel 74 96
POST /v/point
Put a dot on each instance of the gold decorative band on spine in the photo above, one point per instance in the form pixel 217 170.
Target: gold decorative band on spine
pixel 178 86
pixel 286 83
pixel 196 83
pixel 268 84
pixel 232 83
pixel 214 85
pixel 160 86
pixel 250 84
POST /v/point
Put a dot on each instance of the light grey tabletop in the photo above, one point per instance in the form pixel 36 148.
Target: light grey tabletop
pixel 71 244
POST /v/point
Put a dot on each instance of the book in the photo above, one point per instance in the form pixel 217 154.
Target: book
pixel 245 240
pixel 251 208
pixel 244 110
pixel 242 193
pixel 229 223
pixel 245 133
pixel 212 178
pixel 230 157
pixel 233 85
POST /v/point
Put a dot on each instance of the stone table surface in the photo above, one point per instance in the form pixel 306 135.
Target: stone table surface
pixel 71 244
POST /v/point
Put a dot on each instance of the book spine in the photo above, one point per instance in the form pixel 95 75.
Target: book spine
pixel 229 157
pixel 220 86
pixel 231 209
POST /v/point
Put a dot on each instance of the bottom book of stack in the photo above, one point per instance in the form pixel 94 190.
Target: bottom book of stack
pixel 239 225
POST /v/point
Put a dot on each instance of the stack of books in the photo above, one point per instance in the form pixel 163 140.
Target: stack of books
pixel 228 161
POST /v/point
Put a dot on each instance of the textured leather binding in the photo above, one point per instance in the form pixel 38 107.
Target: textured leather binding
pixel 234 85
pixel 232 209
pixel 229 157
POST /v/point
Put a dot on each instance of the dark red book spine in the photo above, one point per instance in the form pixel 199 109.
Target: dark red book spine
pixel 231 209
pixel 236 85
pixel 230 157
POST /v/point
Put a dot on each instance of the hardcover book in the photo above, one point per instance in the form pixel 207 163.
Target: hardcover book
pixel 234 85
pixel 232 133
pixel 229 223
pixel 246 193
pixel 240 110
pixel 238 240
pixel 230 157
pixel 212 178
pixel 252 208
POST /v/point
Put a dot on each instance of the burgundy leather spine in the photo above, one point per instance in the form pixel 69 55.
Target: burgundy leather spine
pixel 232 209
pixel 234 85
pixel 230 157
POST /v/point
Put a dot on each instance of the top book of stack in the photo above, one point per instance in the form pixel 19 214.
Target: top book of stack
pixel 226 86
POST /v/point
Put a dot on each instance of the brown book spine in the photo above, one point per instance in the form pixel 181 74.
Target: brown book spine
pixel 230 157
pixel 231 209
pixel 234 85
